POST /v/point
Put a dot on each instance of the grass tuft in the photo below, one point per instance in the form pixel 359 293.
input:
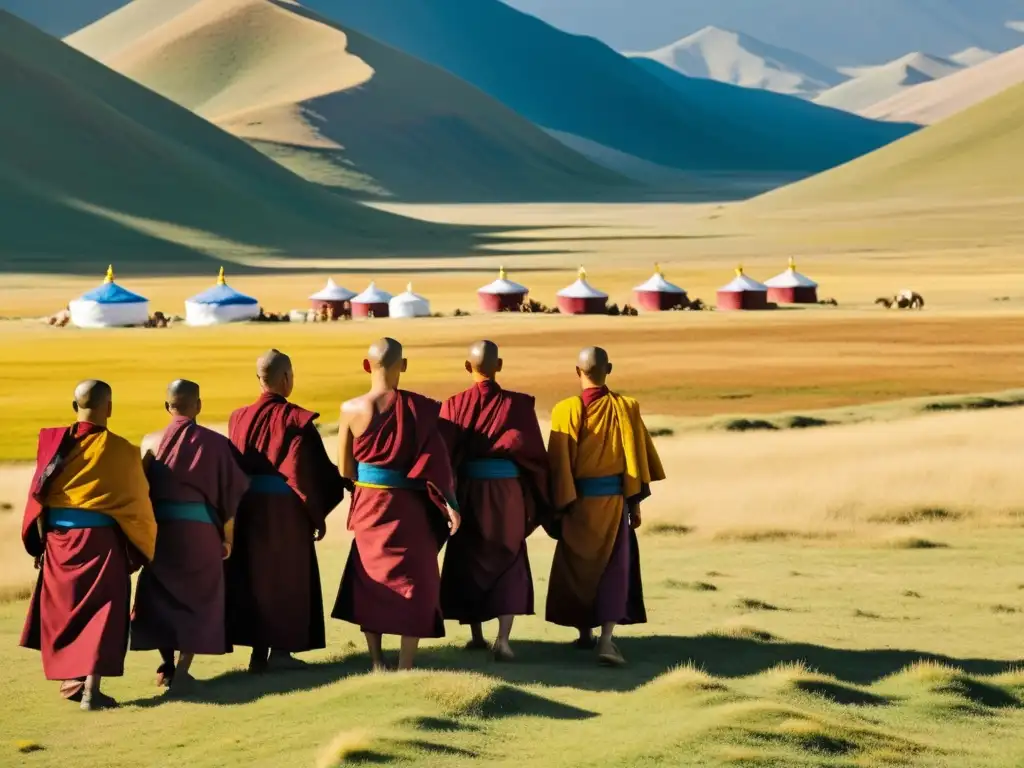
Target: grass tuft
pixel 859 614
pixel 1003 608
pixel 742 632
pixel 693 586
pixel 917 515
pixel 749 425
pixel 758 535
pixel 688 677
pixel 669 529
pixel 912 593
pixel 27 746
pixel 661 432
pixel 749 604
pixel 915 542
pixel 356 747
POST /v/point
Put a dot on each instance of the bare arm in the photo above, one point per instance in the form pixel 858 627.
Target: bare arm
pixel 346 459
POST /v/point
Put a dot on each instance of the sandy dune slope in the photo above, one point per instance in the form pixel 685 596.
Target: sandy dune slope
pixel 870 85
pixel 733 57
pixel 335 105
pixel 969 57
pixel 930 102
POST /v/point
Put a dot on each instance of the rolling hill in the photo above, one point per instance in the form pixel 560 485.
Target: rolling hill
pixel 97 168
pixel 737 58
pixel 870 85
pixel 973 156
pixel 931 102
pixel 336 106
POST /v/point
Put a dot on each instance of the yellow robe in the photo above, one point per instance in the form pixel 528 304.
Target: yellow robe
pixel 609 438
pixel 104 474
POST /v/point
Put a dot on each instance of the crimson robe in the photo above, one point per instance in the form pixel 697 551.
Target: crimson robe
pixel 391 583
pixel 78 617
pixel 179 599
pixel 273 579
pixel 486 570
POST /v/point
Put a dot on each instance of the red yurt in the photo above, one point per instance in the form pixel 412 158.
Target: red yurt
pixel 502 295
pixel 581 298
pixel 371 302
pixel 743 293
pixel 792 288
pixel 658 294
pixel 334 298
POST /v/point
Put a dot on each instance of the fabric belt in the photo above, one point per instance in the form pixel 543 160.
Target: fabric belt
pixel 273 485
pixel 372 476
pixel 611 485
pixel 490 469
pixel 191 511
pixel 63 517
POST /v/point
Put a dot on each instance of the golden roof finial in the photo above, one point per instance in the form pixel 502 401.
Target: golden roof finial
pixel 110 274
pixel 408 287
pixel 792 264
pixel 739 271
pixel 582 273
pixel 220 277
pixel 501 273
pixel 657 269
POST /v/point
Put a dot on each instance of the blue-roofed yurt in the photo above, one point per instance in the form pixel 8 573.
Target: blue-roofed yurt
pixel 109 306
pixel 220 304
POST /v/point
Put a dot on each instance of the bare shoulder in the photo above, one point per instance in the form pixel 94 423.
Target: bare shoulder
pixel 151 442
pixel 357 406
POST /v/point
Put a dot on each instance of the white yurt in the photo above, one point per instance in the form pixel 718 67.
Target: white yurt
pixel 791 287
pixel 409 304
pixel 373 301
pixel 658 294
pixel 109 306
pixel 743 293
pixel 335 298
pixel 581 298
pixel 220 304
pixel 502 295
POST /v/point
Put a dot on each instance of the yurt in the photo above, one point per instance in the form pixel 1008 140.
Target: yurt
pixel 334 298
pixel 409 304
pixel 658 294
pixel 109 306
pixel 581 298
pixel 502 295
pixel 792 288
pixel 371 302
pixel 743 293
pixel 220 304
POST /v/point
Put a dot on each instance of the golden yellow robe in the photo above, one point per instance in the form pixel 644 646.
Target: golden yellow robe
pixel 104 474
pixel 606 438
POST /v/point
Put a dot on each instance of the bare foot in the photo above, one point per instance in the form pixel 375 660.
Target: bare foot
pixel 92 701
pixel 164 675
pixel 503 652
pixel 608 655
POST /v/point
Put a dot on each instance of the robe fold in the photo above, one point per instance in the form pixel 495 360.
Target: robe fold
pixel 274 597
pixel 78 617
pixel 391 583
pixel 179 599
pixel 595 575
pixel 486 570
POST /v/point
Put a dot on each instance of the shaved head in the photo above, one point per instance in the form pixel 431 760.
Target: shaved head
pixel 593 363
pixel 94 402
pixel 483 358
pixel 274 370
pixel 384 353
pixel 183 398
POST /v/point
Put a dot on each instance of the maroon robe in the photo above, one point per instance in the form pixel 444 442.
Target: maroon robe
pixel 486 570
pixel 273 579
pixel 391 584
pixel 78 616
pixel 179 599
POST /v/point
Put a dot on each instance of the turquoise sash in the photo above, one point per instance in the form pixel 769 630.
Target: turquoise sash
pixel 372 476
pixel 272 485
pixel 62 517
pixel 490 469
pixel 587 487
pixel 190 511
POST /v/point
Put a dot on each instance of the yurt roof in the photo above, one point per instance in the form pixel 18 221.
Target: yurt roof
pixel 742 283
pixel 503 285
pixel 112 293
pixel 222 295
pixel 408 297
pixel 372 295
pixel 333 292
pixel 581 289
pixel 791 279
pixel 658 284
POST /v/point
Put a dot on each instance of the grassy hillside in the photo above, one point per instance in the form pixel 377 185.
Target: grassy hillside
pixel 95 167
pixel 335 105
pixel 972 156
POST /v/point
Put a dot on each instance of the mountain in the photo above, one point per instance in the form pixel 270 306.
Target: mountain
pixel 336 106
pixel 931 102
pixel 96 168
pixel 870 85
pixel 971 56
pixel 737 58
pixel 835 32
pixel 971 157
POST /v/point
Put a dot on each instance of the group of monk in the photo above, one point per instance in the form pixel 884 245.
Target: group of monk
pixel 222 529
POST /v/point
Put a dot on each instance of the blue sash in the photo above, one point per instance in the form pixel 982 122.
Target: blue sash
pixel 587 487
pixel 382 478
pixel 191 511
pixel 490 469
pixel 62 517
pixel 272 485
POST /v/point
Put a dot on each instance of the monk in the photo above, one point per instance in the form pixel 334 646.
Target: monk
pixel 501 468
pixel 89 523
pixel 275 603
pixel 602 464
pixel 196 485
pixel 403 509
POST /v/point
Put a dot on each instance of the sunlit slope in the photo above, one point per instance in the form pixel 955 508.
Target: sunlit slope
pixel 82 147
pixel 336 105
